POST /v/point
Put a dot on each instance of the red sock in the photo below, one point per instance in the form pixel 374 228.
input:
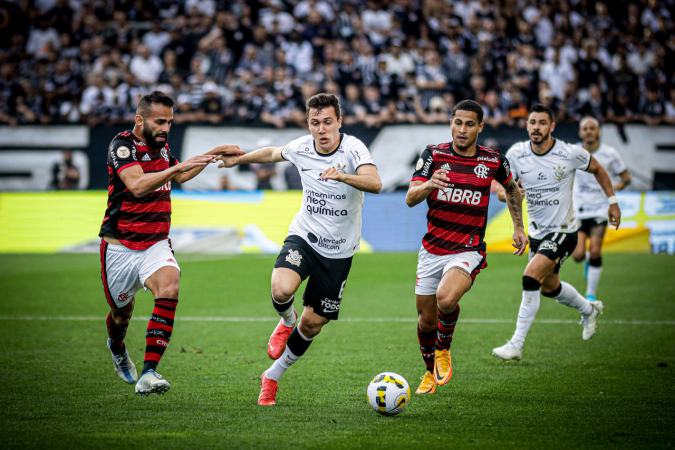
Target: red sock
pixel 116 334
pixel 446 328
pixel 159 331
pixel 427 342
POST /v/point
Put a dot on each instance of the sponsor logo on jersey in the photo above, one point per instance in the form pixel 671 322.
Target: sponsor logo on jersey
pixel 420 163
pixel 146 157
pixel 560 154
pixel 305 170
pixel 316 204
pixel 123 152
pixel 524 155
pixel 140 144
pixel 304 151
pixel 481 171
pixel 542 177
pixel 356 156
pixel 165 155
pixel 166 187
pixel 559 173
pixel 488 158
pixel 330 306
pixel 548 245
pixel 294 258
pixel 445 166
pixel 459 196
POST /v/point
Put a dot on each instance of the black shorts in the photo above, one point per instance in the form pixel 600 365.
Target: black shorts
pixel 586 225
pixel 555 246
pixel 327 276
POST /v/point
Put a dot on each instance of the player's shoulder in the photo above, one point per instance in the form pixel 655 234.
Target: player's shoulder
pixel 608 150
pixel 435 149
pixel 519 149
pixel 349 141
pixel 302 141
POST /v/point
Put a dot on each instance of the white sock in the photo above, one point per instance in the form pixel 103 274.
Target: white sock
pixel 570 297
pixel 286 360
pixel 593 279
pixel 288 316
pixel 528 310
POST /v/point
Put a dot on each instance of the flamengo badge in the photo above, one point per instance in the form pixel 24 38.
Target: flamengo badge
pixel 165 155
pixel 481 171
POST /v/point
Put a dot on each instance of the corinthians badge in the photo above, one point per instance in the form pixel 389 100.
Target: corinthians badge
pixel 559 173
pixel 294 257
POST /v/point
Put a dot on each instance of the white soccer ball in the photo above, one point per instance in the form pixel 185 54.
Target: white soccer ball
pixel 388 393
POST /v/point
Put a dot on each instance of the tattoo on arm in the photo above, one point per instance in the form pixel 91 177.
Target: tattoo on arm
pixel 461 271
pixel 515 200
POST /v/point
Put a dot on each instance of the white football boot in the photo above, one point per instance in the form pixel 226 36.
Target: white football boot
pixel 590 321
pixel 508 352
pixel 124 367
pixel 152 383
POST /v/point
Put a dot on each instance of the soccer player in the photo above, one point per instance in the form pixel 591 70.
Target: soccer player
pixel 591 203
pixel 545 167
pixel 135 249
pixel 335 170
pixel 454 178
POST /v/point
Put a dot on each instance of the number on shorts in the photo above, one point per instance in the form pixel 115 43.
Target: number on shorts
pixel 342 289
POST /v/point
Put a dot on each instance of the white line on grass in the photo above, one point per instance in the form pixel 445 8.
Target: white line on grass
pixel 345 319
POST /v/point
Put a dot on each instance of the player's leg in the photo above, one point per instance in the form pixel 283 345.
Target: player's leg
pixel 117 323
pixel 597 236
pixel 455 283
pixel 291 267
pixel 427 330
pixel 579 253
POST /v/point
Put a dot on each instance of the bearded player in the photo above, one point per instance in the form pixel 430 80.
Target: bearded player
pixel 545 168
pixel 135 249
pixel 591 203
pixel 336 169
pixel 454 179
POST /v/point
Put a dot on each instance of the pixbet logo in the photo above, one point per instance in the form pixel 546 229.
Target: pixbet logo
pixel 459 196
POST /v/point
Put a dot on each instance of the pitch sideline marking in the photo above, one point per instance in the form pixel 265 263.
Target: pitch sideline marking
pixel 346 319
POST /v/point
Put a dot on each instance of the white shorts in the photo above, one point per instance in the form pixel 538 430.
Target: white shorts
pixel 124 271
pixel 431 268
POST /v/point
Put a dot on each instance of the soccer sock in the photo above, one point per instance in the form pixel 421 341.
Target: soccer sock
pixel 446 328
pixel 159 331
pixel 116 334
pixel 286 311
pixel 296 347
pixel 567 295
pixel 594 272
pixel 529 306
pixel 427 345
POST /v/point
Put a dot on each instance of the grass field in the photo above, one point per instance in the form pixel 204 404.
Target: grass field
pixel 58 388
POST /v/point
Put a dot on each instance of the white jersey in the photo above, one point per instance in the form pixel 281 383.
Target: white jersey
pixel 548 180
pixel 589 198
pixel 330 216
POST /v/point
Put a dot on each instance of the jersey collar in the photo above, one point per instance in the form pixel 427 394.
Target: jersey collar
pixel 454 153
pixel 529 143
pixel 331 153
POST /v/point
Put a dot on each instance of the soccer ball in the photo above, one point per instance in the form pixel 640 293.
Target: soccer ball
pixel 388 393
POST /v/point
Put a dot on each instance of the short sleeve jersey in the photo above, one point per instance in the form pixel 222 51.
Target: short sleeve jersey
pixel 590 200
pixel 137 223
pixel 457 215
pixel 330 215
pixel 548 180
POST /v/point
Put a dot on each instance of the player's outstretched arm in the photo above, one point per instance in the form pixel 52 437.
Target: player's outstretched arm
pixel 605 183
pixel 419 190
pixel 265 155
pixel 221 150
pixel 514 201
pixel 366 179
pixel 141 184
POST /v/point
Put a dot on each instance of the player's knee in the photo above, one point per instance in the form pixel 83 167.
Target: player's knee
pixel 578 256
pixel 448 301
pixel 310 328
pixel 170 289
pixel 282 292
pixel 595 252
pixel 427 322
pixel 121 320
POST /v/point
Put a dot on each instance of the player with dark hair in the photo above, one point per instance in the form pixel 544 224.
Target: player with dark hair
pixel 455 178
pixel 135 249
pixel 336 169
pixel 545 168
pixel 591 203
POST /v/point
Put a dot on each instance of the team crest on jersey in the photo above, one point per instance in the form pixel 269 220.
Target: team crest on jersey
pixel 481 171
pixel 294 257
pixel 340 168
pixel 165 154
pixel 123 152
pixel 559 173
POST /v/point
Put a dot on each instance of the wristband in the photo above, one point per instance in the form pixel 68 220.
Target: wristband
pixel 612 200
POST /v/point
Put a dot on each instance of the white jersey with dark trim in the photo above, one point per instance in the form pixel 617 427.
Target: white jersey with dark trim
pixel 589 198
pixel 330 216
pixel 548 180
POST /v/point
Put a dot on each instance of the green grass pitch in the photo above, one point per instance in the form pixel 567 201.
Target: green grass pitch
pixel 58 388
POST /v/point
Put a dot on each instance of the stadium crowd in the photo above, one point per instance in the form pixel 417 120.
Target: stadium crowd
pixel 391 61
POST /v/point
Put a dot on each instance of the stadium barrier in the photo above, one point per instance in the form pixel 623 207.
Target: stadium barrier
pixel 257 222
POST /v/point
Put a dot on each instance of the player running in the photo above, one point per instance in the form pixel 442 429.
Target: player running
pixel 455 180
pixel 335 169
pixel 135 249
pixel 545 167
pixel 591 203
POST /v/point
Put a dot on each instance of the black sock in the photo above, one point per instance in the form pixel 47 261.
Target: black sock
pixel 116 334
pixel 282 307
pixel 297 343
pixel 427 340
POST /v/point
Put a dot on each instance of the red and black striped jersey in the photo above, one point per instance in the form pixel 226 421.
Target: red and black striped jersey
pixel 457 215
pixel 137 223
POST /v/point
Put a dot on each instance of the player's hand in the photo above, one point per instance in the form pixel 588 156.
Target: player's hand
pixel 614 216
pixel 522 191
pixel 332 174
pixel 228 160
pixel 227 150
pixel 439 180
pixel 196 161
pixel 520 241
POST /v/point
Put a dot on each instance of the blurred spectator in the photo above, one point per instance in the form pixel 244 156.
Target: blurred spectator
pixel 556 74
pixel 430 79
pixel 65 175
pixel 264 174
pixel 292 177
pixel 621 111
pixel 156 39
pixel 670 107
pixel 652 108
pixel 41 39
pixel 596 105
pixel 146 66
